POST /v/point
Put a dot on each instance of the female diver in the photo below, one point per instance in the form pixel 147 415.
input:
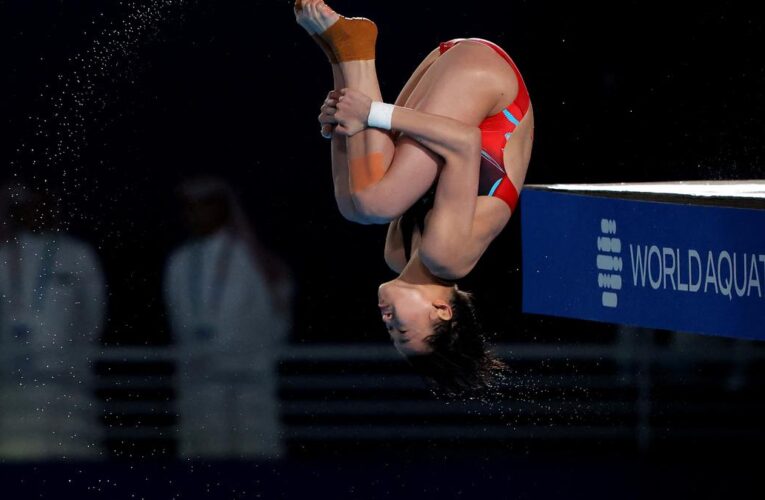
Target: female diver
pixel 461 126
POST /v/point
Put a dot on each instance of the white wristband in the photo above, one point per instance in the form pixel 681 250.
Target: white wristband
pixel 380 115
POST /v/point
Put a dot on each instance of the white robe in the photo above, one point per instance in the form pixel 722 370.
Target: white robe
pixel 52 310
pixel 229 333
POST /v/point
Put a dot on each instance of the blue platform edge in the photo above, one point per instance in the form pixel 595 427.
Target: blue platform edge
pixel 672 266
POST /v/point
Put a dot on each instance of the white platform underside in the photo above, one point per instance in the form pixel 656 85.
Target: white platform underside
pixel 724 189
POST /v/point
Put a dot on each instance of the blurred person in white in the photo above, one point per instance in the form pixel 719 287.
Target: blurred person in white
pixel 52 310
pixel 228 300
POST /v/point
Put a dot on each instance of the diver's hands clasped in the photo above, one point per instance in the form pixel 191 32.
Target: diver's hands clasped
pixel 345 112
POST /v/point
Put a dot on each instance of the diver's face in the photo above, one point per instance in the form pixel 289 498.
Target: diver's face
pixel 409 316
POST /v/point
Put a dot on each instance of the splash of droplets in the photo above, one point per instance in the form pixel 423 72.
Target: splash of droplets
pixel 77 104
pixel 541 395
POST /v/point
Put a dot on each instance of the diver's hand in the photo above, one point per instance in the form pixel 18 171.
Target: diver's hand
pixel 327 114
pixel 351 111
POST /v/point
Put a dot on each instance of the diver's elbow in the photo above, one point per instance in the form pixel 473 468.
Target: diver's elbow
pixel 444 264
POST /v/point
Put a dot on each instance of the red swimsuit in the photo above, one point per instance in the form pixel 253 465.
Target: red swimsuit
pixel 495 132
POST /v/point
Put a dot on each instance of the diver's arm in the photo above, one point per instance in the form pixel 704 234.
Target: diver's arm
pixel 446 242
pixel 442 135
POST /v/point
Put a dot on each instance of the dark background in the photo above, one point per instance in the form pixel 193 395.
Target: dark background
pixel 108 112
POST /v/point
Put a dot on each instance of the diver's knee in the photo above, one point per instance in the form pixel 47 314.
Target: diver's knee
pixel 372 208
pixel 348 211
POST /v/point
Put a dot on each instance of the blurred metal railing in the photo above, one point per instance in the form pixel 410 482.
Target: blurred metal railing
pixel 364 394
pixel 361 393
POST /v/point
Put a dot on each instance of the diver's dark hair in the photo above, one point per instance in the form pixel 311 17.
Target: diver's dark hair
pixel 460 363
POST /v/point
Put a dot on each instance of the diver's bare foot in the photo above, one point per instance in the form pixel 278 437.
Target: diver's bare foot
pixel 315 19
pixel 314 16
pixel 348 39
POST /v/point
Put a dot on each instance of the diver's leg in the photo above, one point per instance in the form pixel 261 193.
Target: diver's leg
pixel 307 16
pixel 352 41
pixel 465 84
